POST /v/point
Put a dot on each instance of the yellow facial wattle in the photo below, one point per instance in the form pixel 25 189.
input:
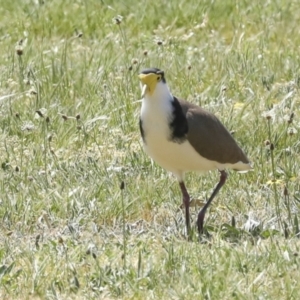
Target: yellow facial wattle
pixel 149 82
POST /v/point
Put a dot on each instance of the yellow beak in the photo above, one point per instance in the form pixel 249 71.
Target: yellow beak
pixel 149 82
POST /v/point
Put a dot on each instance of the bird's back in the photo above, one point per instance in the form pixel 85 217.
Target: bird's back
pixel 210 138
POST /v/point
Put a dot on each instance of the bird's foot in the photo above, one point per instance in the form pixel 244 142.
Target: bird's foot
pixel 200 221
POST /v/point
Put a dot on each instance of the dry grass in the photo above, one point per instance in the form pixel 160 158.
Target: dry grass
pixel 69 138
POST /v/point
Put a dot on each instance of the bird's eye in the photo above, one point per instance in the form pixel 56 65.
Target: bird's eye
pixel 158 78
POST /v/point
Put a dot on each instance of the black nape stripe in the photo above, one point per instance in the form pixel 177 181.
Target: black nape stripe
pixel 179 124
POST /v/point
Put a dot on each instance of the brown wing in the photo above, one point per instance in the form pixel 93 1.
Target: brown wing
pixel 209 137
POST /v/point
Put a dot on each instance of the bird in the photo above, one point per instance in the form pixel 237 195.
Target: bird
pixel 182 137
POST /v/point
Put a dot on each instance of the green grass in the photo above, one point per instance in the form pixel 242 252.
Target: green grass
pixel 69 137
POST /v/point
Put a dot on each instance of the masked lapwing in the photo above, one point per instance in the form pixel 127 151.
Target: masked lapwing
pixel 181 137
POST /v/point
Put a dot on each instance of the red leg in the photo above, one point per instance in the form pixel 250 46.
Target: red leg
pixel 202 212
pixel 186 203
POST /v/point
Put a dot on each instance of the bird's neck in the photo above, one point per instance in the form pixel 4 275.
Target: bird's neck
pixel 160 100
pixel 157 111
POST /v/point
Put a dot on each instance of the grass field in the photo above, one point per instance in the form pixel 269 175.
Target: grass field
pixel 69 143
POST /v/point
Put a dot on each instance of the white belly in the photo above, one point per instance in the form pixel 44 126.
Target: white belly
pixel 177 158
pixel 181 158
